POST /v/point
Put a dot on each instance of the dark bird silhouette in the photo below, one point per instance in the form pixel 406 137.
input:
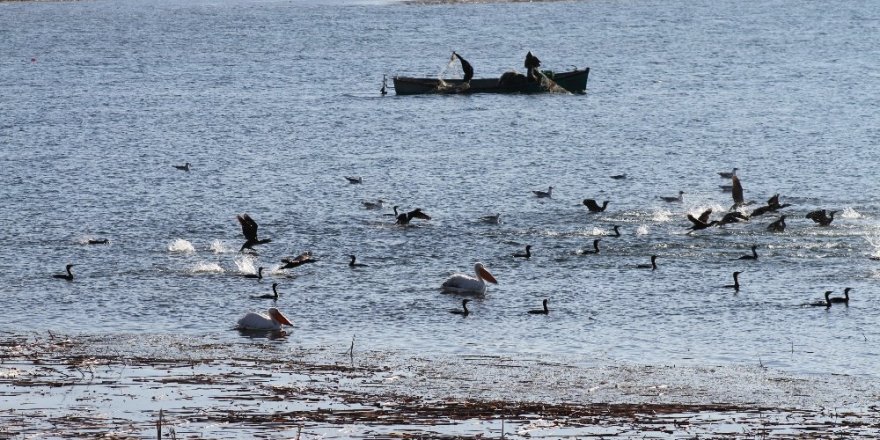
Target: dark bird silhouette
pixel 735 285
pixel 68 276
pixel 249 230
pixel 352 263
pixel 355 180
pixel 616 229
pixel 737 193
pixel 464 310
pixel 619 176
pixel 405 218
pixel 184 167
pixel 544 195
pixel 732 217
pixel 258 275
pixel 465 67
pixel 772 205
pixel 726 175
pixel 826 303
pixel 303 258
pixel 680 198
pixel 821 217
pixel 778 225
pixel 595 249
pixel 652 266
pixel 98 241
pixel 754 255
pixel 273 297
pixel 593 206
pixel 527 254
pixel 384 89
pixel 543 311
pixel 701 222
pixel 839 300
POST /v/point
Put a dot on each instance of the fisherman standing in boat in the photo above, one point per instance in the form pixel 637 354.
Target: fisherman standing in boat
pixel 531 64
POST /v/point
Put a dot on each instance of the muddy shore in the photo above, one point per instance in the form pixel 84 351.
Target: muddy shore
pixel 65 386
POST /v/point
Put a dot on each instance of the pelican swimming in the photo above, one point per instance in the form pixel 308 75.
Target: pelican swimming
pixel 184 167
pixel 249 230
pixel 652 266
pixel 355 180
pixel 68 276
pixel 593 206
pixel 378 204
pixel 821 217
pixel 273 297
pixel 754 255
pixel 680 198
pixel 464 310
pixel 303 258
pixel 406 217
pixel 544 311
pixel 544 194
pixel 257 321
pixel 735 285
pixel 726 175
pixel 461 283
pixel 352 263
pixel 527 254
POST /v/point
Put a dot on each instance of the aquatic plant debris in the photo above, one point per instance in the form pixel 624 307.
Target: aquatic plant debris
pixel 63 386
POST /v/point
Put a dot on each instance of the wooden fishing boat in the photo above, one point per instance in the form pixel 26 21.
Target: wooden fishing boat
pixel 574 81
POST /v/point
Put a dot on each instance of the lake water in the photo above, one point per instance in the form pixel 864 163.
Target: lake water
pixel 274 102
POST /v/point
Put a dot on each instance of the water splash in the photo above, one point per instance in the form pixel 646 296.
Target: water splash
pixel 218 247
pixel 661 216
pixel 181 245
pixel 245 264
pixel 848 212
pixel 642 230
pixel 206 268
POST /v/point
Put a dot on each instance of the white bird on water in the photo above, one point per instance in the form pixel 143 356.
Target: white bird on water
pixel 461 283
pixel 257 321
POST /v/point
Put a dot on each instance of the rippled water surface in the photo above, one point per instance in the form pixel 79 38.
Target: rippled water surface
pixel 274 102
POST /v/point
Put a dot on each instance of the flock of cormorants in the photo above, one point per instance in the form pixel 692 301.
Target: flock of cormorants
pixel 466 284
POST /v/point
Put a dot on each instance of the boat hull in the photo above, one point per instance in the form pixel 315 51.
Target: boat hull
pixel 574 81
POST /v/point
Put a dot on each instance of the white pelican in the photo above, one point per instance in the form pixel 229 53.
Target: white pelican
pixel 461 283
pixel 257 321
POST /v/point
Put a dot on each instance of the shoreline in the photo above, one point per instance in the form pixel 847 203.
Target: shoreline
pixel 89 385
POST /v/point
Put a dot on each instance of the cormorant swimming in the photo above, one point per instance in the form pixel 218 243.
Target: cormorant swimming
pixel 778 225
pixel 735 285
pixel 652 266
pixel 754 255
pixel 526 255
pixel 464 310
pixel 821 217
pixel 543 311
pixel 184 167
pixel 68 276
pixel 352 263
pixel 680 198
